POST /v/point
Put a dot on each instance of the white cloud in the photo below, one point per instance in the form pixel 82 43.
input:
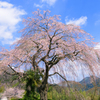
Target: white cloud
pixel 37 5
pixel 50 2
pixel 10 16
pixel 81 21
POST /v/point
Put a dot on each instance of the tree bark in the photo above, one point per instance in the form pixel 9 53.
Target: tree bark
pixel 43 92
pixel 43 89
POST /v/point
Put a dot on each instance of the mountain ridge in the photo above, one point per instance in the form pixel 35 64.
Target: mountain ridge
pixel 85 84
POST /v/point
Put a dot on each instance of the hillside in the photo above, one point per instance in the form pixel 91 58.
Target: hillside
pixel 85 84
pixel 7 80
pixel 89 80
pixel 71 84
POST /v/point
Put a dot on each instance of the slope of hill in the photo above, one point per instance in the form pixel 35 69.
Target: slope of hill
pixel 97 89
pixel 89 80
pixel 71 84
pixel 7 80
pixel 85 84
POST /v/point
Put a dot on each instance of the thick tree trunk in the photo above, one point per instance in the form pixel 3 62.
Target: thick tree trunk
pixel 43 89
pixel 43 92
pixel 43 95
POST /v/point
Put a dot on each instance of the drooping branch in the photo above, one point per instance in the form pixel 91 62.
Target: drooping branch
pixel 9 73
pixel 21 60
pixel 15 72
pixel 13 69
pixel 61 77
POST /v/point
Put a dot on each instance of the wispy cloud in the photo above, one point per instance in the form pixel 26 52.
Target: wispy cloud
pixel 97 22
pixel 50 2
pixel 37 5
pixel 81 21
pixel 10 16
pixel 10 41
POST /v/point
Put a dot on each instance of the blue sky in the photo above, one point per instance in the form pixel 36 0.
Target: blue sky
pixel 85 13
